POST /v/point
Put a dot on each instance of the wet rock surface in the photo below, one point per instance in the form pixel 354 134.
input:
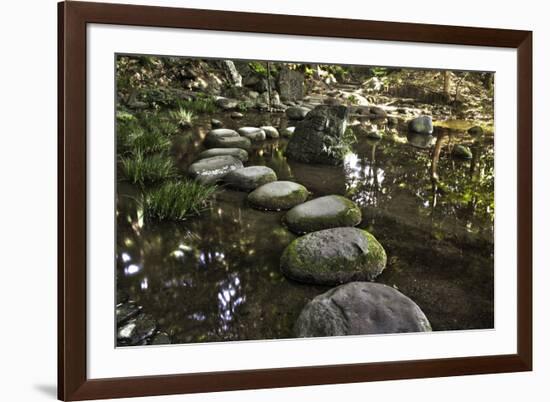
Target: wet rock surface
pixel 249 178
pixel 360 308
pixel 238 153
pixel 278 195
pixel 252 133
pixel 212 170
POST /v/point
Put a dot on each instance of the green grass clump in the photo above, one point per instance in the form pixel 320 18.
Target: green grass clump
pixel 198 105
pixel 142 169
pixel 183 117
pixel 177 200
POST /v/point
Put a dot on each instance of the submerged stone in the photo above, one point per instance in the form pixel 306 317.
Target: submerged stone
pixel 252 133
pixel 136 330
pixel 421 125
pixel 249 178
pixel 361 308
pixel 238 153
pixel 334 256
pixel 278 195
pixel 326 212
pixel 212 170
pixel 216 123
pixel 462 152
pixel 270 131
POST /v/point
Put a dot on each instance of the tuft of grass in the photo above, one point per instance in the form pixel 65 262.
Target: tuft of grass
pixel 148 143
pixel 183 117
pixel 177 200
pixel 142 169
pixel 198 105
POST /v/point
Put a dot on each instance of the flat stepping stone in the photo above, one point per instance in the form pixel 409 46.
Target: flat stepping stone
pixel 270 131
pixel 212 170
pixel 238 153
pixel 222 133
pixel 278 195
pixel 228 142
pixel 334 256
pixel 252 133
pixel 326 212
pixel 250 178
pixel 361 308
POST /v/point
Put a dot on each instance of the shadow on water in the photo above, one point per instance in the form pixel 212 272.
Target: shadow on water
pixel 217 277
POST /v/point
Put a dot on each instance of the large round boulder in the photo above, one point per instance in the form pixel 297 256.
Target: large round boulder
pixel 249 178
pixel 326 212
pixel 361 308
pixel 252 133
pixel 212 170
pixel 421 125
pixel 334 256
pixel 278 195
pixel 238 153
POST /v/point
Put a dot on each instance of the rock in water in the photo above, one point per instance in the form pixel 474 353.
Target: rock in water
pixel 326 212
pixel 317 136
pixel 238 153
pixel 249 178
pixel 278 195
pixel 252 133
pixel 421 141
pixel 228 142
pixel 216 123
pixel 212 170
pixel 296 112
pixel 215 135
pixel 361 308
pixel 270 131
pixel 421 125
pixel 462 152
pixel 334 256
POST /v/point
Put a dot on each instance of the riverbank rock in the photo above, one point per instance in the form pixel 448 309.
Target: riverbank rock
pixel 226 103
pixel 323 213
pixel 238 153
pixel 249 178
pixel 252 133
pixel 278 195
pixel 462 152
pixel 270 131
pixel 334 256
pixel 296 112
pixel 319 136
pixel 212 170
pixel 287 132
pixel 361 308
pixel 421 125
pixel 228 142
pixel 236 115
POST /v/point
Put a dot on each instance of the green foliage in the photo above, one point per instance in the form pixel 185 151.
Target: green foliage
pixel 339 148
pixel 142 169
pixel 379 71
pixel 258 67
pixel 177 200
pixel 183 117
pixel 353 100
pixel 202 104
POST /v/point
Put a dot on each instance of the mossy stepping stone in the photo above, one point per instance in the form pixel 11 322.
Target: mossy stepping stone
pixel 334 256
pixel 212 170
pixel 278 195
pixel 360 308
pixel 249 178
pixel 238 153
pixel 326 212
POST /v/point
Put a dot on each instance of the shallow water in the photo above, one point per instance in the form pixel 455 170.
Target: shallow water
pixel 216 277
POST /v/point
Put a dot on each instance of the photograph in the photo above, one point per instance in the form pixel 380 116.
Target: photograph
pixel 268 200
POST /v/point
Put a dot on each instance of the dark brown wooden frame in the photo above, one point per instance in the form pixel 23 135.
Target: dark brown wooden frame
pixel 73 383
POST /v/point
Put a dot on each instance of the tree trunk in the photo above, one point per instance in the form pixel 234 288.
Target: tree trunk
pixel 447 82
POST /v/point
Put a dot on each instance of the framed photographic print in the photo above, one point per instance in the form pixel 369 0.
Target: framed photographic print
pixel 253 200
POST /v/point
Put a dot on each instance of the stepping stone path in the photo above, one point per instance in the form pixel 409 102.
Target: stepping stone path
pixel 421 125
pixel 219 133
pixel 360 308
pixel 252 133
pixel 212 170
pixel 270 131
pixel 235 152
pixel 323 213
pixel 462 152
pixel 278 195
pixel 334 256
pixel 249 178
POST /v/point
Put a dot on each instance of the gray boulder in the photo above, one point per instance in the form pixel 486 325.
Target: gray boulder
pixel 278 195
pixel 360 308
pixel 421 125
pixel 232 73
pixel 270 131
pixel 319 137
pixel 249 178
pixel 334 256
pixel 226 103
pixel 326 212
pixel 296 112
pixel 236 115
pixel 291 84
pixel 212 170
pixel 228 142
pixel 238 153
pixel 214 135
pixel 215 123
pixel 252 133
